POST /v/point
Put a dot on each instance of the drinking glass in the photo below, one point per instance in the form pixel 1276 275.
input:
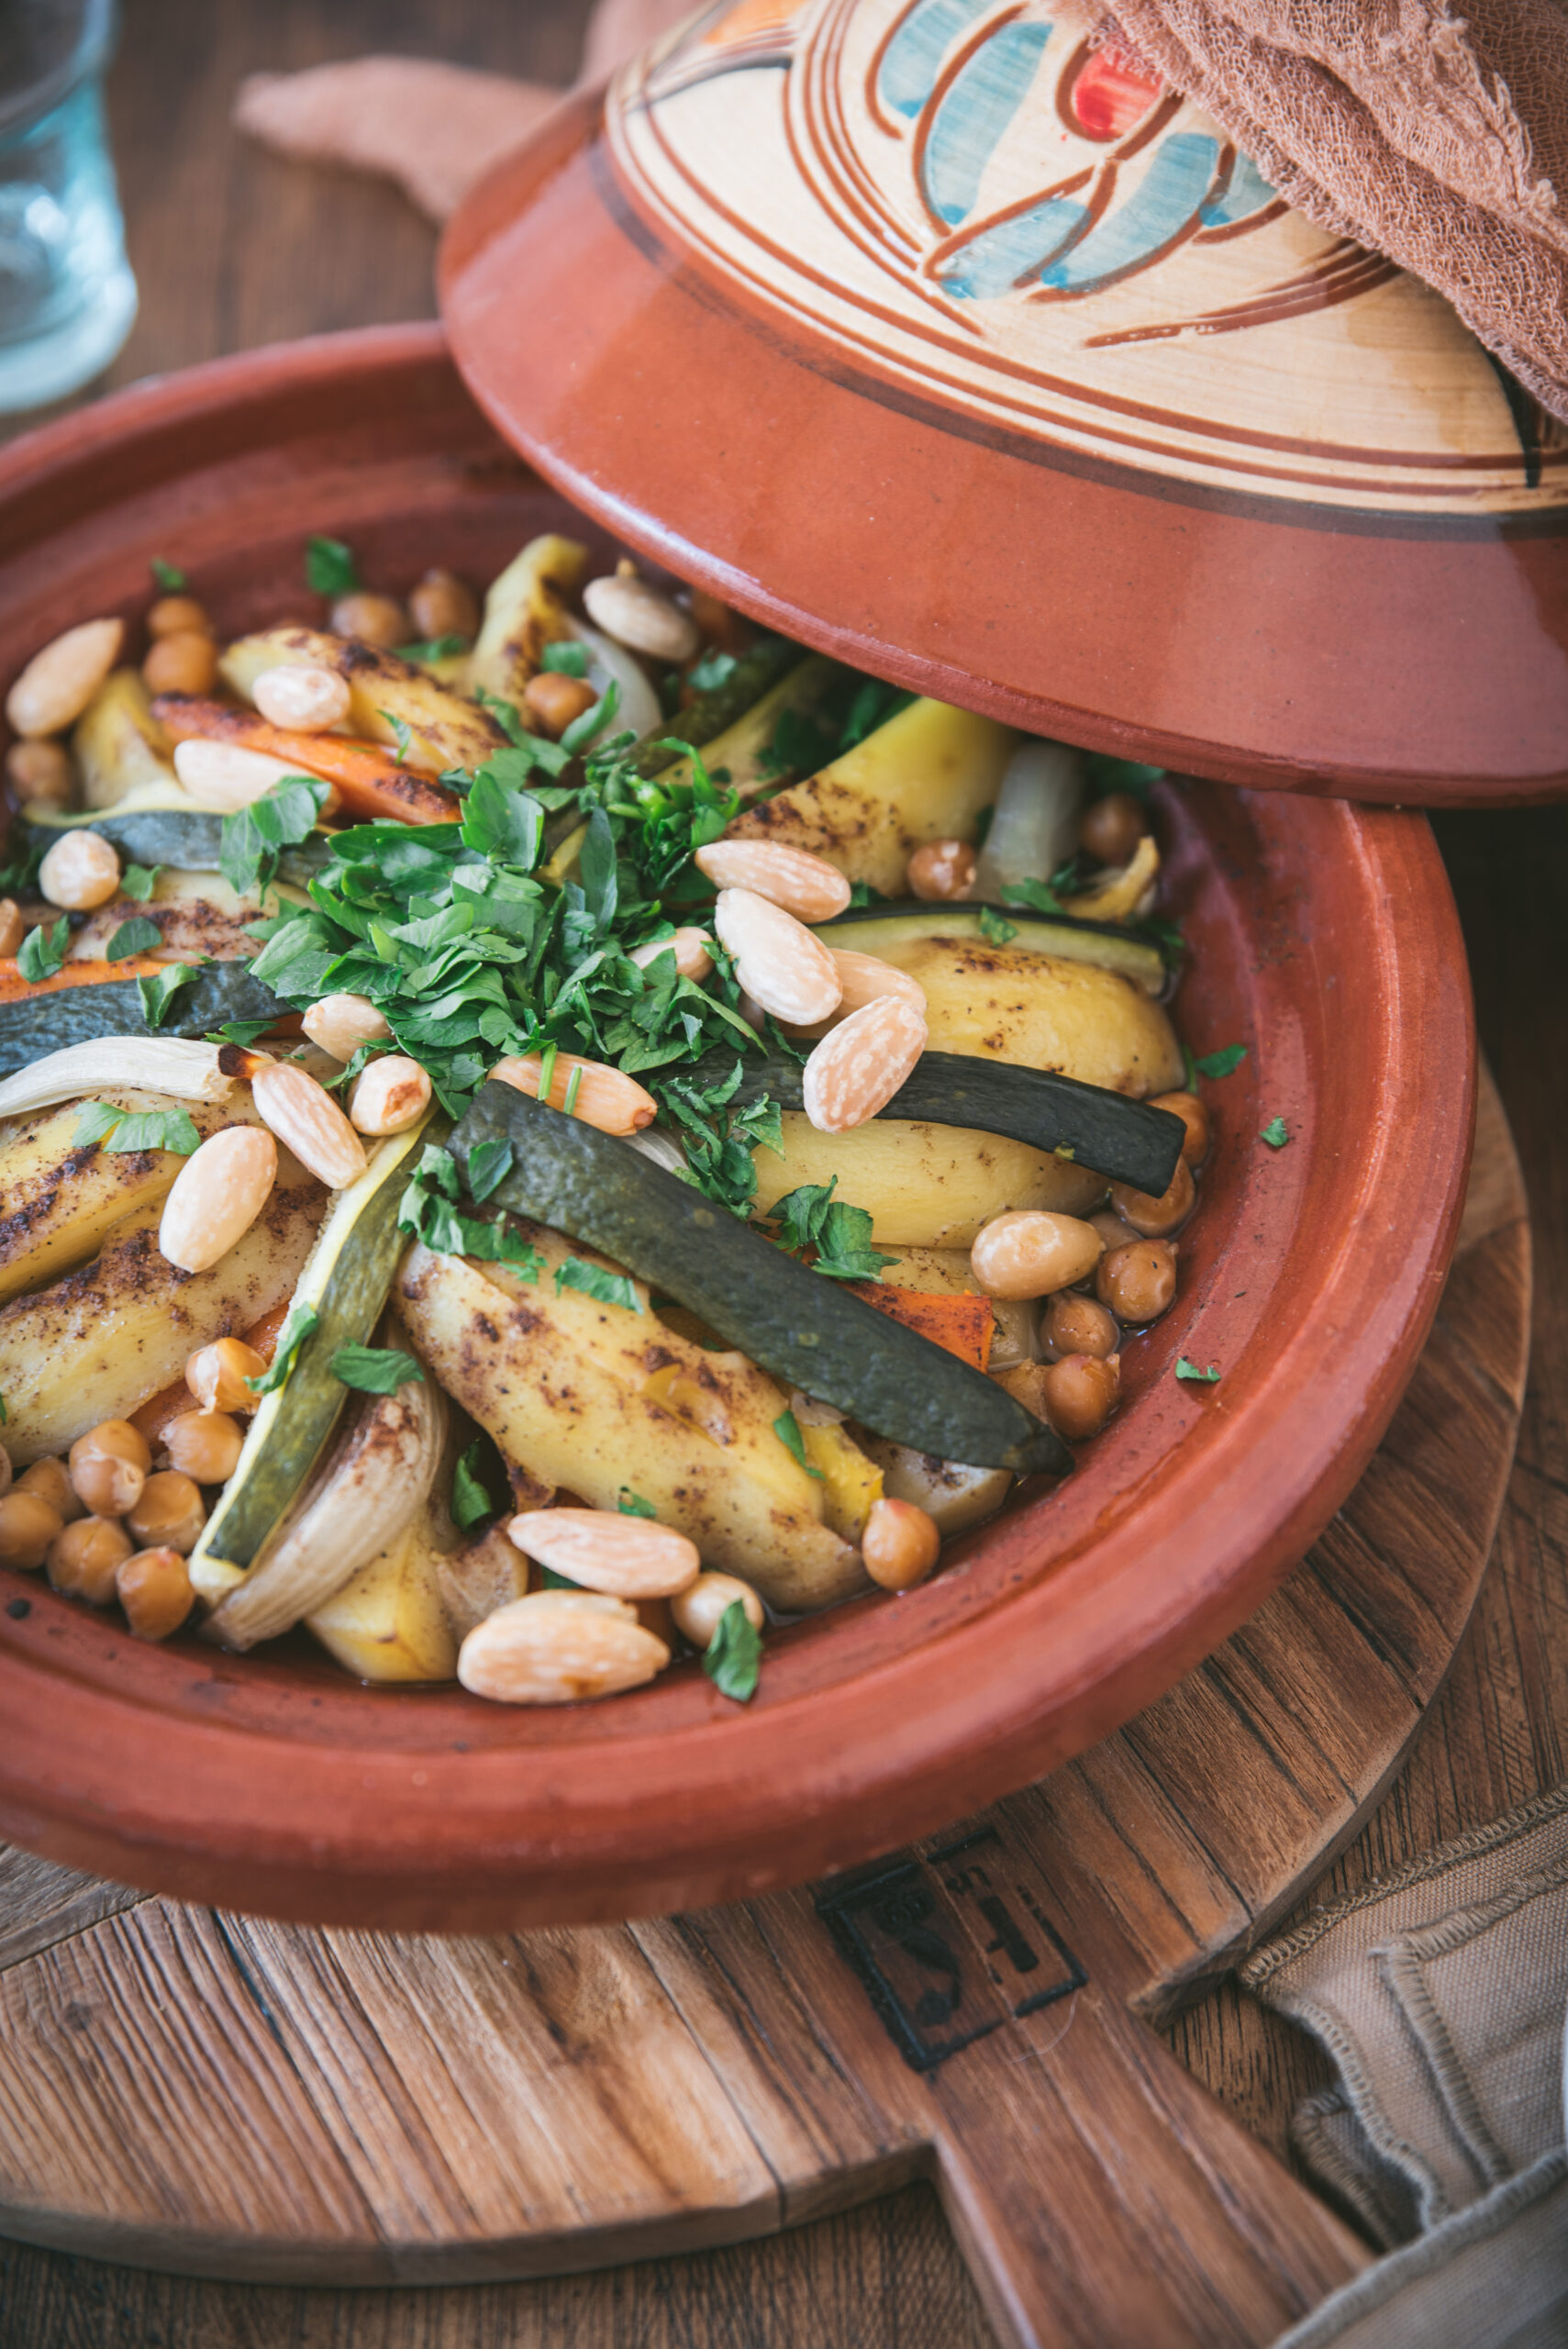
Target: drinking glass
pixel 67 295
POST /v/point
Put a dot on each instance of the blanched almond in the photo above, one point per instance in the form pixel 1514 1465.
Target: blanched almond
pixel 308 1121
pixel 864 978
pixel 389 1095
pixel 804 886
pixel 858 1066
pixel 217 1195
pixel 557 1647
pixel 777 961
pixel 638 613
pixel 602 1098
pixel 630 1557
pixel 690 948
pixel 58 683
pixel 341 1023
pixel 302 697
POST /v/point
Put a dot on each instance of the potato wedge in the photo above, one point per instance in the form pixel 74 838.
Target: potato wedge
pixel 444 731
pixel 387 1622
pixel 595 1397
pixel 1009 1003
pixel 119 745
pixel 58 1204
pixel 956 1497
pixel 107 1336
pixel 924 775
pixel 924 1187
pixel 194 913
pixel 525 609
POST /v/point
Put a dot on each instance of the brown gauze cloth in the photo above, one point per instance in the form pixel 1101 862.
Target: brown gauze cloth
pixel 1438 136
pixel 1441 140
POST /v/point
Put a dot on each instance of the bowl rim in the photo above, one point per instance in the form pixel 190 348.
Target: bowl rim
pixel 583 1820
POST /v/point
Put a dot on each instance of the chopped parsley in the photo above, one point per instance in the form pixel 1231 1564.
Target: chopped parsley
pixel 159 988
pixel 121 1131
pixel 434 648
pixel 719 1140
pixel 1223 1062
pixel 430 1212
pixel 733 1657
pixel 401 733
pixel 375 1370
pixel 566 659
pixel 139 881
pixel 42 952
pixel 1190 1373
pixel 330 568
pixel 632 1504
pixel 301 1321
pixel 605 1288
pixel 810 1217
pixel 474 1480
pixel 138 935
pixel 996 928
pixel 253 837
pixel 786 1427
pixel 168 576
pixel 1276 1133
pixel 713 670
pixel 1039 896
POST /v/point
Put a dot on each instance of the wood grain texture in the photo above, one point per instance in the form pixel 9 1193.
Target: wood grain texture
pixel 225 245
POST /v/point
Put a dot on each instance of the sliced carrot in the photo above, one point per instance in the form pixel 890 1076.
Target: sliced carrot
pixel 369 783
pixel 960 1325
pixel 14 988
pixel 171 1402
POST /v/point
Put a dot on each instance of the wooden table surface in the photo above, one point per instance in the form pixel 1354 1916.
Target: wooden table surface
pixel 233 247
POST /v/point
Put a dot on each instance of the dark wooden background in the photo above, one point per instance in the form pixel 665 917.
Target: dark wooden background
pixel 234 248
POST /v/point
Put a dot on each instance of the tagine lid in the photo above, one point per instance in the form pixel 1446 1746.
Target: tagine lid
pixel 943 337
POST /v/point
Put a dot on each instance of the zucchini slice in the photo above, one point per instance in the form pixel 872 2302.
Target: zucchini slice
pixel 870 929
pixel 714 712
pixel 345 1284
pixel 32 1025
pixel 806 1331
pixel 1124 1140
pixel 176 838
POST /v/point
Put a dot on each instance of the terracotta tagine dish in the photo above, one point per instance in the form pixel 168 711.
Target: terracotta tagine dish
pixel 947 340
pixel 1322 936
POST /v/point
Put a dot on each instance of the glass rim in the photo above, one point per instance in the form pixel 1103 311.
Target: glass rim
pixel 86 56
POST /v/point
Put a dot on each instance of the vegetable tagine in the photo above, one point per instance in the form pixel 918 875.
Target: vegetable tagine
pixel 542 1137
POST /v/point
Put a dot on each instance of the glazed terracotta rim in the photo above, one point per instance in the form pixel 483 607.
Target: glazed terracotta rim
pixel 276 1785
pixel 1443 635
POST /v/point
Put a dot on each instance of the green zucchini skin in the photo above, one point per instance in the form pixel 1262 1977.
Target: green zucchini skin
pixel 47 1023
pixel 183 841
pixel 806 1331
pixel 713 712
pixel 1063 934
pixel 309 1404
pixel 1127 1141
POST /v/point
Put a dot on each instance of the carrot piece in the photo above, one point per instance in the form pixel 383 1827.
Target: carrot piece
pixel 960 1325
pixel 170 1402
pixel 14 988
pixel 371 783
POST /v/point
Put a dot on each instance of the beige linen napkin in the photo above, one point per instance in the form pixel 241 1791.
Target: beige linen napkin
pixel 1439 1994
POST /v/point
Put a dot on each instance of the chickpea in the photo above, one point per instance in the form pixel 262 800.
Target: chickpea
pixel 204 1445
pixel 555 701
pixel 13 929
pixel 1195 1116
pixel 1110 828
pixel 1077 1325
pixel 154 1588
pixel 1153 1218
pixel 443 605
pixel 82 1558
pixel 183 663
pixel 696 1610
pixel 1113 1230
pixel 41 771
pixel 178 616
pixel 80 871
pixel 301 696
pixel 941 869
pixel 171 1513
pixel 109 1465
pixel 1137 1283
pixel 374 620
pixel 1081 1393
pixel 900 1544
pixel 215 1375
pixel 1030 1252
pixel 27 1527
pixel 48 1480
pixel 730 630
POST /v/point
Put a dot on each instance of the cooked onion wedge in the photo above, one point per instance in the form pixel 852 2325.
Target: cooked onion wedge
pixel 172 1064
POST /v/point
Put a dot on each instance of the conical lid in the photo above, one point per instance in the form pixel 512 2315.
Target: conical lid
pixel 949 340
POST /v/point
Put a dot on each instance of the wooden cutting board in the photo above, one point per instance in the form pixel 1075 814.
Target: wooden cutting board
pixel 222 2096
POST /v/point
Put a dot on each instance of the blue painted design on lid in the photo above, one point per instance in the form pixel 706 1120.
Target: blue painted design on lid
pixel 972 117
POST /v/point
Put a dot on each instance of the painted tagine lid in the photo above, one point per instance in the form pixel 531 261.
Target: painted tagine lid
pixel 943 336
